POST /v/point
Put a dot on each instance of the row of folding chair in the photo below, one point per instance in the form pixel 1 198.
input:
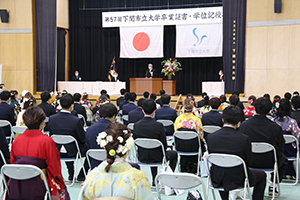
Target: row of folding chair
pixel 13 130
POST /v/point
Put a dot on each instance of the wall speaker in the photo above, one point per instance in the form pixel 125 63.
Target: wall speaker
pixel 4 15
pixel 277 6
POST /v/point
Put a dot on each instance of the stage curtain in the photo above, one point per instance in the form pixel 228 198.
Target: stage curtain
pixel 61 53
pixel 45 44
pixel 92 47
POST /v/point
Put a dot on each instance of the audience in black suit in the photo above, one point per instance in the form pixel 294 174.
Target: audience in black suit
pixel 121 98
pixel 260 129
pixel 296 105
pixel 213 117
pixel 240 104
pixel 158 101
pixel 149 128
pixel 108 114
pixel 4 148
pixel 129 106
pixel 201 103
pixel 63 123
pixel 145 96
pixel 7 111
pixel 166 113
pixel 136 114
pixel 230 141
pixel 126 100
pixel 79 108
pixel 47 108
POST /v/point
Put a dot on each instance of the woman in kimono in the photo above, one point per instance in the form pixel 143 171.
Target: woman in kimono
pixel 114 177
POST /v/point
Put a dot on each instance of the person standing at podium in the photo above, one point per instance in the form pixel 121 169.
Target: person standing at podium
pixel 150 71
pixel 76 76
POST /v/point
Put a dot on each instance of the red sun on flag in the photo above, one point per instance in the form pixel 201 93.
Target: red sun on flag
pixel 141 41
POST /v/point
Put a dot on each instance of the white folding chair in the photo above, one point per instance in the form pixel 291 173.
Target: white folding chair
pixel 130 126
pixel 262 147
pixel 188 135
pixel 111 198
pixel 4 162
pixel 97 154
pixel 179 181
pixel 165 122
pixel 4 123
pixel 226 161
pixel 46 119
pixel 124 118
pixel 210 128
pixel 24 172
pixel 288 140
pixel 82 117
pixel 18 130
pixel 67 139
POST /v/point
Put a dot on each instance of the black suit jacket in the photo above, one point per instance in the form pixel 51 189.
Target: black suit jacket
pixel 76 78
pixel 80 110
pixel 4 148
pixel 212 117
pixel 230 141
pixel 148 73
pixel 260 129
pixel 135 115
pixel 165 112
pixel 149 128
pixel 296 115
pixel 63 123
pixel 120 100
pixel 158 101
pixel 200 103
pixel 7 113
pixel 47 108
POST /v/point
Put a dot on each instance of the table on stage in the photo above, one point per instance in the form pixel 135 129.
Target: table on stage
pixel 215 88
pixel 92 88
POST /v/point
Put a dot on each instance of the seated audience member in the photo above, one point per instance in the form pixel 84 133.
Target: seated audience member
pixel 129 106
pixel 26 103
pixel 104 97
pixel 223 104
pixel 126 100
pixel 153 96
pixel 189 122
pixel 33 147
pixel 289 127
pixel 136 114
pixel 4 148
pixel 206 107
pixel 296 93
pixel 234 100
pixel 296 105
pixel 213 117
pixel 260 129
pixel 240 104
pixel 267 96
pixel 145 96
pixel 195 110
pixel 108 113
pixel 158 101
pixel 230 141
pixel 114 177
pixel 47 108
pixel 63 123
pixel 7 111
pixel 14 101
pixel 276 99
pixel 121 98
pixel 79 108
pixel 88 106
pixel 250 110
pixel 167 113
pixel 201 103
pixel 149 128
pixel 288 96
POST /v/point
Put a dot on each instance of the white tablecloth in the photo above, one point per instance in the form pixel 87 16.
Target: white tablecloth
pixel 213 88
pixel 92 88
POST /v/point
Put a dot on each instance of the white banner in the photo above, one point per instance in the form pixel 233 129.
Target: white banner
pixel 204 40
pixel 163 17
pixel 0 73
pixel 141 42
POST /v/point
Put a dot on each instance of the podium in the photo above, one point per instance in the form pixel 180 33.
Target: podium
pixel 140 85
pixel 213 88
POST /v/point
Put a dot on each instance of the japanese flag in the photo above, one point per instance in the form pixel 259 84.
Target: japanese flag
pixel 141 42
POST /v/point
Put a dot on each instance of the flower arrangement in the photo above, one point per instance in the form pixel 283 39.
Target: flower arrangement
pixel 170 66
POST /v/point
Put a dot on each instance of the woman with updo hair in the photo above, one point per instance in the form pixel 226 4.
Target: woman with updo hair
pixel 34 148
pixel 206 107
pixel 27 102
pixel 114 177
pixel 250 110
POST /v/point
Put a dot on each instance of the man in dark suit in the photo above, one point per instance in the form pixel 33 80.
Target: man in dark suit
pixel 108 114
pixel 296 105
pixel 136 114
pixel 79 108
pixel 201 103
pixel 165 112
pixel 63 123
pixel 7 111
pixel 240 104
pixel 150 71
pixel 47 108
pixel 121 98
pixel 213 117
pixel 230 141
pixel 260 129
pixel 76 76
pixel 129 106
pixel 158 101
pixel 149 128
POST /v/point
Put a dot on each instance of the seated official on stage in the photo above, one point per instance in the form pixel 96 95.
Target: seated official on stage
pixel 76 76
pixel 114 177
pixel 230 141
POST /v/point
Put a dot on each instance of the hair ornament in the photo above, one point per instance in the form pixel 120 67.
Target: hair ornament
pixel 120 139
pixel 277 104
pixel 129 143
pixel 101 139
pixel 125 132
pixel 112 152
pixel 250 101
pixel 109 138
pixel 120 148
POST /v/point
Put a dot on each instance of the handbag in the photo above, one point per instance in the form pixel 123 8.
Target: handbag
pixel 167 169
pixel 194 195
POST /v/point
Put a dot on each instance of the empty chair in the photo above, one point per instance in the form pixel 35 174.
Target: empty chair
pixel 96 154
pixel 179 181
pixel 24 172
pixel 226 161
